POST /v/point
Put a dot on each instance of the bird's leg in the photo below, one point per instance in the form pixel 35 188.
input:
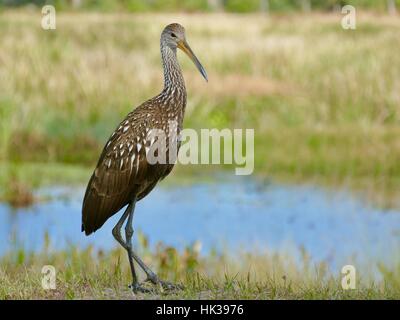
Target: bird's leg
pixel 117 235
pixel 151 276
pixel 116 231
pixel 128 238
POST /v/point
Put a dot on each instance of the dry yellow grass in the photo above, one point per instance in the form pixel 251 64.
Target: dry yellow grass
pixel 87 274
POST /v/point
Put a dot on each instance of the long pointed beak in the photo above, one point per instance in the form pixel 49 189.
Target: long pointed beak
pixel 184 46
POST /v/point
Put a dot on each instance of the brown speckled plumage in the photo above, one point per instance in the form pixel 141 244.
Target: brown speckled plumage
pixel 124 174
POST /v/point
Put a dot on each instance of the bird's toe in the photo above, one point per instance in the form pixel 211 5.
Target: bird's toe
pixel 139 288
pixel 169 286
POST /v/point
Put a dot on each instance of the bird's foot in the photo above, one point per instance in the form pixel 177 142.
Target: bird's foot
pixel 138 288
pixel 164 285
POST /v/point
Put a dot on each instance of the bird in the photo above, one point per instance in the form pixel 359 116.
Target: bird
pixel 124 175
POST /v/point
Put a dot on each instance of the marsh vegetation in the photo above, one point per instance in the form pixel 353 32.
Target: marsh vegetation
pixel 324 103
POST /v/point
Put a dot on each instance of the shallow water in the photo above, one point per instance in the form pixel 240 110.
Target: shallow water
pixel 236 213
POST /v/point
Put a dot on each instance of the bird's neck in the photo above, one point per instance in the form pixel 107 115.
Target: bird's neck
pixel 173 78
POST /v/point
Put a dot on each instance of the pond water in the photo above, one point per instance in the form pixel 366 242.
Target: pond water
pixel 334 227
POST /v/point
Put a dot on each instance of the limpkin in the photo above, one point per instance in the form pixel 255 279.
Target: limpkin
pixel 123 175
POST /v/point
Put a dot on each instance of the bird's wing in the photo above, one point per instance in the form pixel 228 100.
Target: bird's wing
pixel 121 167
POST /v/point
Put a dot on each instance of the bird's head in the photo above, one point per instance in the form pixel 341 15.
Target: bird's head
pixel 174 37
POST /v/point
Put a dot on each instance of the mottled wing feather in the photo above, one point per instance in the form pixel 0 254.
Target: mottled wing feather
pixel 120 170
pixel 123 171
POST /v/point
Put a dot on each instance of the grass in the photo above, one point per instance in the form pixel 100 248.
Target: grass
pixel 90 274
pixel 324 103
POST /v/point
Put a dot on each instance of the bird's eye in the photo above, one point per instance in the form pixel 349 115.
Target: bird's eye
pixel 173 35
